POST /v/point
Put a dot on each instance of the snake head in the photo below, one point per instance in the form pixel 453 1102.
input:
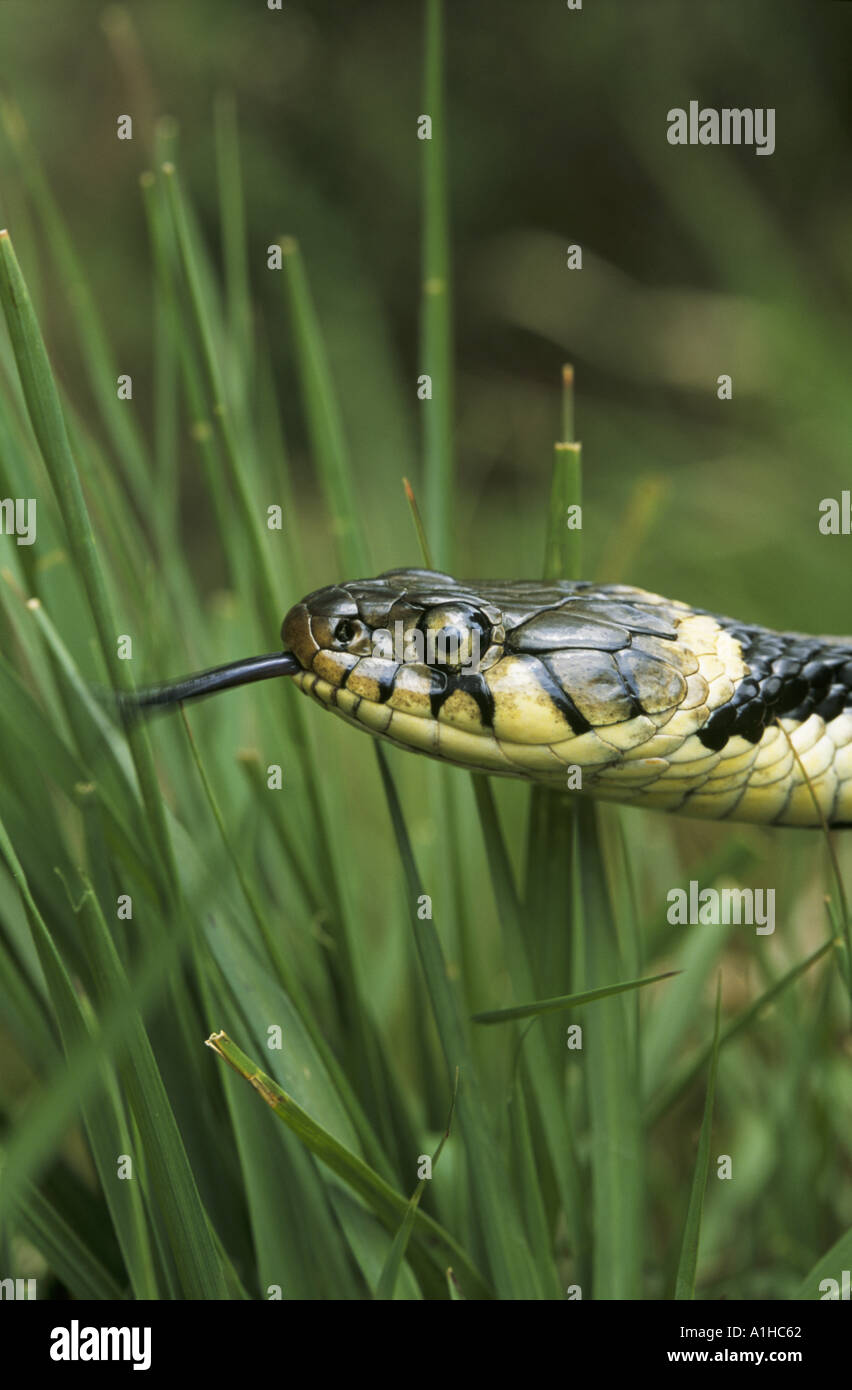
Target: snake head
pixel 361 633
pixel 515 678
pixel 634 697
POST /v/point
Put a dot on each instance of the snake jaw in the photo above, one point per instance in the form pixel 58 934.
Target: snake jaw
pixel 297 636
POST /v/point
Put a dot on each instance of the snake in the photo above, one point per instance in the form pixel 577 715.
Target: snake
pixel 609 690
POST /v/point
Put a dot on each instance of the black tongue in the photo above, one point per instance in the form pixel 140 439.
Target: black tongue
pixel 251 668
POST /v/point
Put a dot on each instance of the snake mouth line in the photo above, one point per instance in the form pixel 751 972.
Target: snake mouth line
pixel 477 752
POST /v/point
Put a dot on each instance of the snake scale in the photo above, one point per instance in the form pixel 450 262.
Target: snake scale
pixel 609 689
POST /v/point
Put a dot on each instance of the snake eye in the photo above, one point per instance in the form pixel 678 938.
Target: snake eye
pixel 350 634
pixel 456 636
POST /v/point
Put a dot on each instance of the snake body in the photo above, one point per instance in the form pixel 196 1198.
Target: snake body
pixel 609 689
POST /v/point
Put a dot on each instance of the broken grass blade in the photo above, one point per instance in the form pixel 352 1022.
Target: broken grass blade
pixel 388 1205
pixel 287 978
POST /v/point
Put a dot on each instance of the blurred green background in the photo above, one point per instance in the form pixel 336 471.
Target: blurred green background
pixel 696 262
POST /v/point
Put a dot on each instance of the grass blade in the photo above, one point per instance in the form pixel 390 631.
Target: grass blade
pixel 612 1080
pixel 191 1243
pixel 44 1225
pixel 565 1001
pixel 388 1205
pixel 830 1266
pixel 49 427
pixel 194 1253
pixel 436 314
pixel 683 1079
pixel 514 1271
pixel 324 422
pixel 396 1254
pixel 685 1279
pixel 544 1066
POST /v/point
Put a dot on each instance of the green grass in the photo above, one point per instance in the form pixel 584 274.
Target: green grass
pixel 291 920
